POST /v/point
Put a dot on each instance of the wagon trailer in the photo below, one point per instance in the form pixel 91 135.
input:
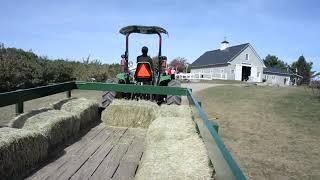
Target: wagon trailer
pixel 108 152
pixel 146 126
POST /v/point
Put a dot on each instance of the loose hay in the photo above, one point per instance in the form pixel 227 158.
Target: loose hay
pixel 19 120
pixel 173 150
pixel 55 125
pixel 20 150
pixel 130 113
pixel 86 111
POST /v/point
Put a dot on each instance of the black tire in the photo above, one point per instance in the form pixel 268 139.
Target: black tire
pixel 173 99
pixel 108 96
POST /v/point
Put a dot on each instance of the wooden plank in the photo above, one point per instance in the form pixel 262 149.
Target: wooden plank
pixel 85 139
pixel 130 161
pixel 80 157
pixel 96 159
pixel 111 162
pixel 53 165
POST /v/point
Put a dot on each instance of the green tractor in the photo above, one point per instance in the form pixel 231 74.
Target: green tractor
pixel 145 74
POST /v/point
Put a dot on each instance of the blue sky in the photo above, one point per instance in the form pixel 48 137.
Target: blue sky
pixel 75 29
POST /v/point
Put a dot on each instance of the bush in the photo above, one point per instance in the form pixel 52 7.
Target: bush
pixel 24 69
pixel 314 88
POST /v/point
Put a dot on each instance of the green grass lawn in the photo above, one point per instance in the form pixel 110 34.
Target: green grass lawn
pixel 272 132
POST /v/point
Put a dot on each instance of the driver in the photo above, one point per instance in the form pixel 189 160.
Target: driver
pixel 144 57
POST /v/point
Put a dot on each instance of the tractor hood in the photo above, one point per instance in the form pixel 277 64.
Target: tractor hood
pixel 143 30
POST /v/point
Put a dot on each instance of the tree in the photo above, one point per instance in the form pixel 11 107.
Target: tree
pixel 303 68
pixel 274 61
pixel 179 64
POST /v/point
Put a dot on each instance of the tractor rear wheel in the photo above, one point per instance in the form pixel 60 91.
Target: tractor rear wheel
pixel 173 99
pixel 108 96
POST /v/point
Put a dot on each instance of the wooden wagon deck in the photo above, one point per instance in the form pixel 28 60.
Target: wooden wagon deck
pixel 103 153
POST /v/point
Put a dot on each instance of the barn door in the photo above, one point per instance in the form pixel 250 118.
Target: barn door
pixel 254 73
pixel 238 72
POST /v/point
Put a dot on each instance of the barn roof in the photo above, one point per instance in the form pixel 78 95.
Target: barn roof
pixel 219 57
pixel 276 70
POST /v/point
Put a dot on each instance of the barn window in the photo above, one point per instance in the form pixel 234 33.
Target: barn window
pixel 232 71
pixel 247 56
pixel 222 70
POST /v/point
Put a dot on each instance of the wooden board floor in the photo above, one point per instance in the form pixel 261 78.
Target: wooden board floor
pixel 103 153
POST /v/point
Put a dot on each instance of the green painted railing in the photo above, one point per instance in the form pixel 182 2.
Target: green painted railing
pixel 224 164
pixel 19 96
pixel 130 88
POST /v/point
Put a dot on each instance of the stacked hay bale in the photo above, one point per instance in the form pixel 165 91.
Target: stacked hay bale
pixel 86 111
pixel 130 113
pixel 20 150
pixel 173 149
pixel 19 120
pixel 57 126
pixel 32 135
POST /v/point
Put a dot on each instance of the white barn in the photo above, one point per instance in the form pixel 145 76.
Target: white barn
pixel 240 62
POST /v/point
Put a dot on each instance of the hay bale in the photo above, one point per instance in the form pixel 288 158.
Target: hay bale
pixel 162 128
pixel 175 111
pixel 19 120
pixel 130 113
pixel 20 150
pixel 173 150
pixel 58 104
pixel 86 111
pixel 55 125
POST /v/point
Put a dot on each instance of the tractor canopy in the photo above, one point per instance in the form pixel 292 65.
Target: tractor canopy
pixel 142 30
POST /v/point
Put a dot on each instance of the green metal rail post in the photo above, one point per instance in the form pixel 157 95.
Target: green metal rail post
pixel 69 94
pixel 19 108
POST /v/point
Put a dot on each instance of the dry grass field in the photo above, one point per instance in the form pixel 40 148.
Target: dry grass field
pixel 273 133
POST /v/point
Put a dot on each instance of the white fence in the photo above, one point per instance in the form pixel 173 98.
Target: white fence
pixel 203 76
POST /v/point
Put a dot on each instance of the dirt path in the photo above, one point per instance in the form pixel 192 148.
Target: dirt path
pixel 199 86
